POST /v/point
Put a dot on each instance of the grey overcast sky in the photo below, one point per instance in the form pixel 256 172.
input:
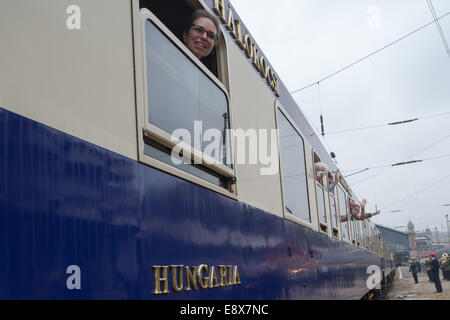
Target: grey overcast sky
pixel 307 40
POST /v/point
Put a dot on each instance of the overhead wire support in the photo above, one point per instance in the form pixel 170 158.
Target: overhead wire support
pixel 401 122
pixel 407 162
pixel 373 53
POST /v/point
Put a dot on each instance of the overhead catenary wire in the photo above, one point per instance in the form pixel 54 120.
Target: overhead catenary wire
pixel 438 25
pixel 314 128
pixel 371 54
pixel 408 158
pixel 386 124
pixel 419 207
pixel 396 164
pixel 415 193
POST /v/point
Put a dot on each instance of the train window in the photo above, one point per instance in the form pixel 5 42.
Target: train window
pixel 174 14
pixel 374 239
pixel 377 242
pixel 363 237
pixel 321 207
pixel 334 216
pixel 367 236
pixel 380 245
pixel 360 233
pixel 320 171
pixel 293 170
pixel 353 230
pixel 186 111
pixel 343 214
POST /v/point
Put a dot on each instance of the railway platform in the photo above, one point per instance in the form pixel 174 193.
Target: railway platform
pixel 404 288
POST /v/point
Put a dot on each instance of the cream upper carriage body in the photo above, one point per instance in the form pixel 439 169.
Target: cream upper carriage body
pixel 90 69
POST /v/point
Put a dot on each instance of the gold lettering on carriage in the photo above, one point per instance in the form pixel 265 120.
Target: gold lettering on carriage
pixel 246 43
pixel 189 278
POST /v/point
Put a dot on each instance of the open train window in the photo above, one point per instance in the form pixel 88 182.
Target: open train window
pixel 319 170
pixel 174 15
pixel 293 170
pixel 185 109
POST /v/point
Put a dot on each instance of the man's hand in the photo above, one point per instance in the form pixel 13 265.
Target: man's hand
pixel 363 203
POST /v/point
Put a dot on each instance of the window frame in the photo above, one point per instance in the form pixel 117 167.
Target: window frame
pixel 146 129
pixel 287 215
pixel 337 217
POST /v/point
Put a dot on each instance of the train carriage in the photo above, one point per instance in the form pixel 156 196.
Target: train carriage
pixel 130 169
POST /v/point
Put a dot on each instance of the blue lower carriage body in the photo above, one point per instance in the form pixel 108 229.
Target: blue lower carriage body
pixel 81 222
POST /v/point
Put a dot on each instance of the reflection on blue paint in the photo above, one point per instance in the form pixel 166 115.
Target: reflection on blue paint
pixel 64 202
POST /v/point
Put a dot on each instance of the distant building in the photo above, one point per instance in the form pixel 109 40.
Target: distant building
pixel 397 242
pixel 421 243
pixel 424 241
pixel 411 244
pixel 412 240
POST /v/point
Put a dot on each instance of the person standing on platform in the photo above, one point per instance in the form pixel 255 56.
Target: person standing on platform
pixel 435 272
pixel 414 267
pixel 428 268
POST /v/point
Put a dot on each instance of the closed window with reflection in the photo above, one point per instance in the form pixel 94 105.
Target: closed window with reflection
pixel 363 231
pixel 367 235
pixel 359 227
pixel 321 204
pixel 353 226
pixel 343 214
pixel 293 169
pixel 355 230
pixel 334 215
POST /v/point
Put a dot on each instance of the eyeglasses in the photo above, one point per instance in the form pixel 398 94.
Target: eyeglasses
pixel 199 30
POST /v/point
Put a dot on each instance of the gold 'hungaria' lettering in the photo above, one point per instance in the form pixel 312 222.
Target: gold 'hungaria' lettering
pixel 193 277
